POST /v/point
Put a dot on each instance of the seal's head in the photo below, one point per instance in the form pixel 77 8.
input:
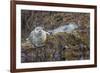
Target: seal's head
pixel 38 30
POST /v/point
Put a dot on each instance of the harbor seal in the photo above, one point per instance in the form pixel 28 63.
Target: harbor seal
pixel 38 37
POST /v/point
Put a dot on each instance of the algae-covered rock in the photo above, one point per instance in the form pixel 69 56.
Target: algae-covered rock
pixel 59 47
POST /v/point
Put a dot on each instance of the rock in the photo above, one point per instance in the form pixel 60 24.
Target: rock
pixel 27 45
